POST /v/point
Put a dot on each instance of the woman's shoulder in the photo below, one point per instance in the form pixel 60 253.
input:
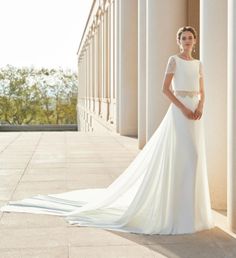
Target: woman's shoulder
pixel 171 59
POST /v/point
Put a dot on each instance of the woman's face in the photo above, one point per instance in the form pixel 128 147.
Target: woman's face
pixel 187 40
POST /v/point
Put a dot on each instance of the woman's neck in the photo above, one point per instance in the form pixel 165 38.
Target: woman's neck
pixel 186 54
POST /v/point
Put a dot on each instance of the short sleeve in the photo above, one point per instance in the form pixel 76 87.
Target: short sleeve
pixel 171 65
pixel 200 69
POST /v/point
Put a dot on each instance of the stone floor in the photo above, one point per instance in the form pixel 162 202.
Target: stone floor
pixel 54 162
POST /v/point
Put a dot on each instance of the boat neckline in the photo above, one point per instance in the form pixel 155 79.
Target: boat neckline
pixel 186 59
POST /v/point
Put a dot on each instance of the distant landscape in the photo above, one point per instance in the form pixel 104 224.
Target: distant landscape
pixel 37 96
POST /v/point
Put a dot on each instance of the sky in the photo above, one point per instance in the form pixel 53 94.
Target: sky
pixel 42 33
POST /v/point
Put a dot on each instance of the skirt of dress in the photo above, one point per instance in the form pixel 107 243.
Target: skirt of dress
pixel 164 190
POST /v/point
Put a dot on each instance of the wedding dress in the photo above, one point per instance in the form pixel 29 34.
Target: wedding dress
pixel 164 190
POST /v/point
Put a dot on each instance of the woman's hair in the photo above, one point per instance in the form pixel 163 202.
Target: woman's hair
pixel 186 28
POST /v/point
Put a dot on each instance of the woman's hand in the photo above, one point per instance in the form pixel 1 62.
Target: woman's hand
pixel 188 112
pixel 198 112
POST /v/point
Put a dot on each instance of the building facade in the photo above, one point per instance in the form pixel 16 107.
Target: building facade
pixel 121 62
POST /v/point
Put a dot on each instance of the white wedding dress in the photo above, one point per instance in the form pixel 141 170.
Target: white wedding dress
pixel 164 190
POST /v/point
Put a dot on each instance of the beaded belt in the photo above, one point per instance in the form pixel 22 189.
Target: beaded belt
pixel 186 93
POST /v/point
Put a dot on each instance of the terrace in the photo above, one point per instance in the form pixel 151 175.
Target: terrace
pixel 54 162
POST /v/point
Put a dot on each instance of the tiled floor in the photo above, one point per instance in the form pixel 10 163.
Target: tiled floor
pixel 54 162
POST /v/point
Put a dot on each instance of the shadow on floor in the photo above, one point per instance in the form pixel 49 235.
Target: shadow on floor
pixel 205 244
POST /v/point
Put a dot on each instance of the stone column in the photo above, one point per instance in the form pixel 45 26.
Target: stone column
pixel 193 20
pixel 88 85
pixel 85 88
pixel 111 93
pixel 95 66
pixel 128 26
pixel 83 94
pixel 104 85
pixel 213 53
pixel 79 97
pixel 100 60
pixel 107 65
pixel 142 73
pixel 86 78
pixel 117 61
pixel 108 100
pixel 160 44
pixel 91 71
pixel 231 191
pixel 98 64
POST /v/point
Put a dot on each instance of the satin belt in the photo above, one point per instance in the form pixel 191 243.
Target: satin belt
pixel 186 93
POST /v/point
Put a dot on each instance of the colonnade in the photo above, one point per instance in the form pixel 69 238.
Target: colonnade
pixel 107 96
pixel 121 63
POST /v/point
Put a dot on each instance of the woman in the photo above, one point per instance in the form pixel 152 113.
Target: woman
pixel 165 188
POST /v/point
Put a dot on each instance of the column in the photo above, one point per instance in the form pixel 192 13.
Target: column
pixel 108 100
pixel 117 60
pixel 141 73
pixel 128 11
pixel 193 20
pixel 160 44
pixel 104 86
pixel 93 69
pixel 89 87
pixel 79 97
pixel 231 190
pixel 86 78
pixel 98 64
pixel 213 53
pixel 112 84
pixel 96 78
pixel 100 60
pixel 107 64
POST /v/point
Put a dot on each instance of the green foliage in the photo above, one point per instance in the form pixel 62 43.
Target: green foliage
pixel 37 96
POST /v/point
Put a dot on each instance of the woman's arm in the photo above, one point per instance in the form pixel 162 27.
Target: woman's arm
pixel 202 93
pixel 167 91
pixel 199 109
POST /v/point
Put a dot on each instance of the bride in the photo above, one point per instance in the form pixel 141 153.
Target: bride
pixel 164 190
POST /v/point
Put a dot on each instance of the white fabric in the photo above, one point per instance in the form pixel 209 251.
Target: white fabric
pixel 164 190
pixel 171 65
pixel 187 73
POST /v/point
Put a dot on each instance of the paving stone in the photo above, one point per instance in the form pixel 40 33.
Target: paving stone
pixel 89 236
pixel 48 164
pixel 33 237
pixel 89 181
pixel 56 252
pixel 20 220
pixel 29 188
pixel 114 252
pixel 13 164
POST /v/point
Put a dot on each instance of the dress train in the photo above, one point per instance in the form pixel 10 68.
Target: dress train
pixel 164 190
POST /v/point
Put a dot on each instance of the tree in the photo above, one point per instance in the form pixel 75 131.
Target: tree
pixel 37 96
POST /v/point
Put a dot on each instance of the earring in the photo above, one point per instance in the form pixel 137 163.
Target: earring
pixel 194 50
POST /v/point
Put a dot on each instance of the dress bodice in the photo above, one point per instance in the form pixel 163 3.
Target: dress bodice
pixel 186 73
